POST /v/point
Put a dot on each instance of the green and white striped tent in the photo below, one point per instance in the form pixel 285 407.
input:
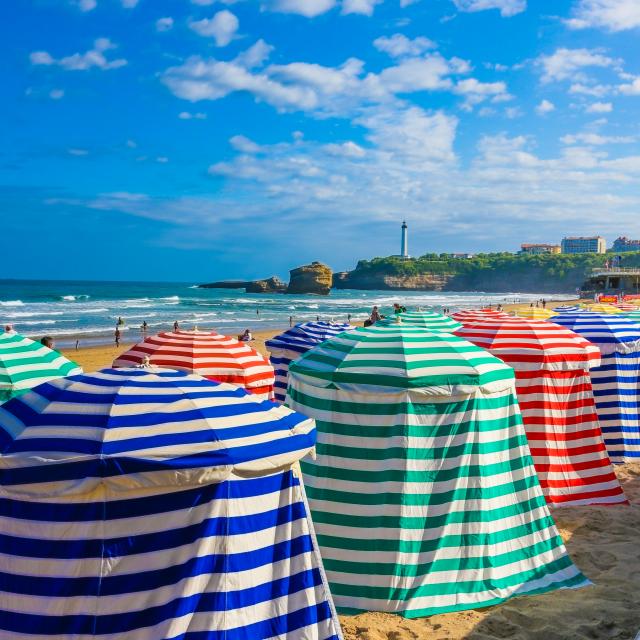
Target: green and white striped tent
pixel 426 319
pixel 25 363
pixel 423 492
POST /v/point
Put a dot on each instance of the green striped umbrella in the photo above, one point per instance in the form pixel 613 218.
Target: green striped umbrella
pixel 425 319
pixel 633 315
pixel 423 492
pixel 25 364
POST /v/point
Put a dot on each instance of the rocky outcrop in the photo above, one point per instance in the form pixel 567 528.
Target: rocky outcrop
pixel 269 285
pixel 311 278
pixel 423 282
pixel 225 284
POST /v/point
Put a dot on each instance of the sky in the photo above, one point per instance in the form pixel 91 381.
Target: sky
pixel 208 139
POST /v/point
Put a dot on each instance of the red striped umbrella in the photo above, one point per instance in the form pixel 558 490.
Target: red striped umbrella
pixel 467 315
pixel 558 408
pixel 209 354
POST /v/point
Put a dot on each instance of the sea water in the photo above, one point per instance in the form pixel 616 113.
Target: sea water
pixel 88 311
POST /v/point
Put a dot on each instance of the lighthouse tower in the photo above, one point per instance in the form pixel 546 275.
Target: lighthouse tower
pixel 404 242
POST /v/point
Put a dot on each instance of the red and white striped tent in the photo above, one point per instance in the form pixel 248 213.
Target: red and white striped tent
pixel 468 315
pixel 208 354
pixel 558 408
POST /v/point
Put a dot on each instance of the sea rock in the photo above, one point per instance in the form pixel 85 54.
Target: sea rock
pixel 311 278
pixel 268 285
pixel 225 284
pixel 422 282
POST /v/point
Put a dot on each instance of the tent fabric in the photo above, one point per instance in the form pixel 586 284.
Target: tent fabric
pixel 292 343
pixel 25 363
pixel 425 319
pixel 154 504
pixel 616 382
pixel 603 308
pixel 556 399
pixel 423 491
pixel 209 354
pixel 535 313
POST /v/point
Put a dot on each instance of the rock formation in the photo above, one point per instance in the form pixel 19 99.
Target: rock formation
pixel 311 278
pixel 269 285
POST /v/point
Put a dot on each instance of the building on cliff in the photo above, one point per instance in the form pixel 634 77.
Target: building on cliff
pixel 539 248
pixel 580 244
pixel 625 244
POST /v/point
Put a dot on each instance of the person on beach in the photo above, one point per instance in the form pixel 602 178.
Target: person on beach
pixel 246 336
pixel 373 318
pixel 291 321
pixel 48 342
pixel 176 327
pixel 120 321
pixel 8 328
pixel 397 308
pixel 145 328
pixel 117 336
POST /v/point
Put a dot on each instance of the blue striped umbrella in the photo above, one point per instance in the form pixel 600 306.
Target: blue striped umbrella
pixel 616 383
pixel 148 504
pixel 567 308
pixel 291 344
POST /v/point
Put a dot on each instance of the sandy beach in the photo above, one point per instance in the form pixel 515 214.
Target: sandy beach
pixel 602 542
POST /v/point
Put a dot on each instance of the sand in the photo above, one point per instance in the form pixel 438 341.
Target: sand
pixel 604 542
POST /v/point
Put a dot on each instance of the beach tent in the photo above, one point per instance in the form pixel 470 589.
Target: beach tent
pixel 535 313
pixel 209 354
pixel 423 492
pixel 426 319
pixel 603 308
pixel 555 395
pixel 471 314
pixel 567 308
pixel 616 382
pixel 291 344
pixel 25 363
pixel 153 504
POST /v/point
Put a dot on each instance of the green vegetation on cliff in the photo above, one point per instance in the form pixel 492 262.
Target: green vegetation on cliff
pixel 485 271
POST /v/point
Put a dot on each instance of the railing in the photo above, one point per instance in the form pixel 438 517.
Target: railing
pixel 610 270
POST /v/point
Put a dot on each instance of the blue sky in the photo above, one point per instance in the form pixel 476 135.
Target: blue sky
pixel 202 139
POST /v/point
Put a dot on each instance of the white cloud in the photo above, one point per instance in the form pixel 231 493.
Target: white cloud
pixel 398 45
pixel 164 24
pixel 82 61
pixel 347 149
pixel 243 144
pixel 255 56
pixel 363 7
pixel 600 107
pixel 86 5
pixel 597 90
pixel 129 4
pixel 186 115
pixel 507 8
pixel 595 139
pixel 222 27
pixel 307 8
pixel 565 64
pixel 162 159
pixel 545 107
pixel 77 152
pixel 132 144
pixel 612 15
pixel 56 94
pixel 630 89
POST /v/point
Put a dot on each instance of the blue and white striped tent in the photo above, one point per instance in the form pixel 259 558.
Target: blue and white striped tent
pixel 155 504
pixel 291 344
pixel 568 308
pixel 616 382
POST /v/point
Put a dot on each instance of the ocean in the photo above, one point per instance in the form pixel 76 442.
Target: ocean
pixel 88 311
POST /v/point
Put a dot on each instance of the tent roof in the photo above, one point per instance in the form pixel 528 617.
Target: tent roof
pixel 532 344
pixel 610 332
pixel 426 319
pixel 142 427
pixel 306 335
pixel 25 363
pixel 203 352
pixel 383 359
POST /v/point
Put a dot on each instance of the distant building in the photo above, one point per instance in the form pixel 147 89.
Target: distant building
pixel 404 242
pixel 540 248
pixel 582 244
pixel 625 244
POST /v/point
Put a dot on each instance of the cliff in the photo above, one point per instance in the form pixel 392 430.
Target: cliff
pixel 269 285
pixel 311 278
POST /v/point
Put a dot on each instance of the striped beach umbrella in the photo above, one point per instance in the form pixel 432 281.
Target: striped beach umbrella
pixel 634 316
pixel 426 319
pixel 209 354
pixel 293 343
pixel 473 314
pixel 423 491
pixel 555 395
pixel 603 308
pixel 625 306
pixel 25 363
pixel 567 308
pixel 616 383
pixel 148 504
pixel 535 313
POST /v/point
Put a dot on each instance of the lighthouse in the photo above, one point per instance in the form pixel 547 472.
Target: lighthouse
pixel 404 242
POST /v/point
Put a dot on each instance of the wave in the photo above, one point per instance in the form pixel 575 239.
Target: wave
pixel 81 296
pixel 35 323
pixel 11 303
pixel 98 310
pixel 171 298
pixel 33 314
